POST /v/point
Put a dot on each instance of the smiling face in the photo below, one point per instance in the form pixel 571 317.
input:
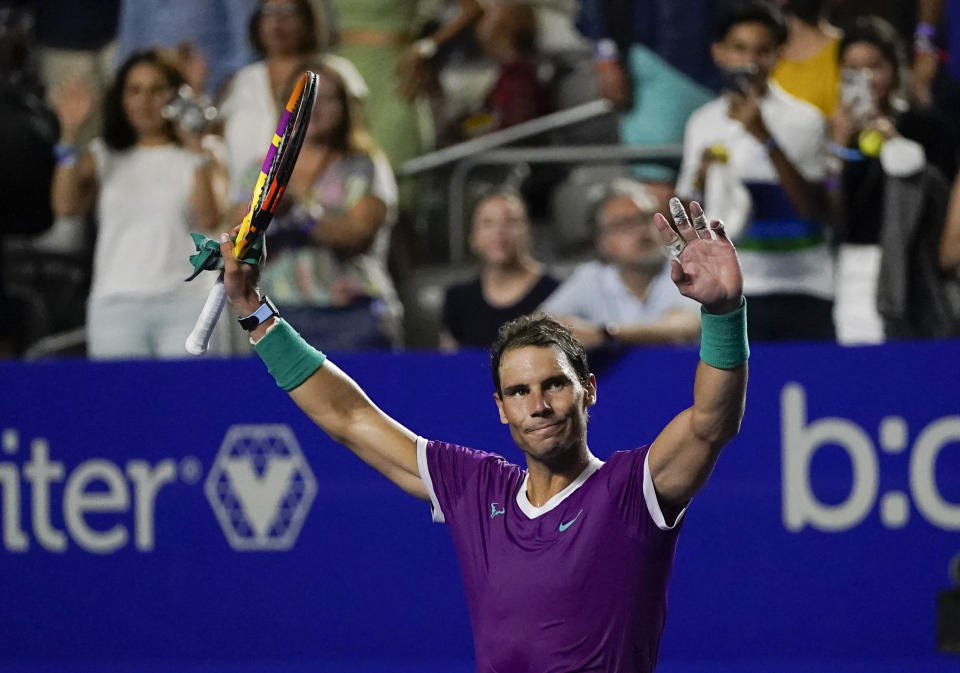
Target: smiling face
pixel 543 402
pixel 145 91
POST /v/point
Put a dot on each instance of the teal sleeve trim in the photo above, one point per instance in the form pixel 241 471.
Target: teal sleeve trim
pixel 289 359
pixel 723 338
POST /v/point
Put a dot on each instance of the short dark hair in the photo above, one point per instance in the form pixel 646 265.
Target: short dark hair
pixel 313 40
pixel 118 133
pixel 808 11
pixel 879 33
pixel 750 11
pixel 537 330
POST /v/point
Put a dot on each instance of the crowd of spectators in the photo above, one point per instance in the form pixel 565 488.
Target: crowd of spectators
pixel 824 133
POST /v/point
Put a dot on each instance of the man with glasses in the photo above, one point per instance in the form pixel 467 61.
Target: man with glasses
pixel 625 296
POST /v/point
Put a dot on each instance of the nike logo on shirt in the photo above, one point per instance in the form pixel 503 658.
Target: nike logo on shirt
pixel 564 526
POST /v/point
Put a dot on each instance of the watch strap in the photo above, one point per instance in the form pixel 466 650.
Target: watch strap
pixel 264 311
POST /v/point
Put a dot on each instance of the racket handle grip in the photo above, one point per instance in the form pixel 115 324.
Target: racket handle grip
pixel 199 338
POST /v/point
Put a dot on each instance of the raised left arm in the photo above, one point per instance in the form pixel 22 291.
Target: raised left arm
pixel 707 270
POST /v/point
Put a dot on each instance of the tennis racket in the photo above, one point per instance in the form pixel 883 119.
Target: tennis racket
pixel 271 183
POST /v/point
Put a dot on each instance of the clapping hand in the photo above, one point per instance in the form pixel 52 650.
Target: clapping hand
pixel 705 266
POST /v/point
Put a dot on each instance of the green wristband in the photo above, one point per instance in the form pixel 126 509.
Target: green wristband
pixel 289 359
pixel 723 338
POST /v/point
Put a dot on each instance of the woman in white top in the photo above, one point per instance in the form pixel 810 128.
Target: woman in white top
pixel 152 185
pixel 284 33
pixel 326 265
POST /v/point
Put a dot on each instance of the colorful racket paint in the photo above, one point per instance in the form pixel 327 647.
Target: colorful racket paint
pixel 271 183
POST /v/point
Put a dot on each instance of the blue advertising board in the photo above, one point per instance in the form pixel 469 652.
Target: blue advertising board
pixel 187 516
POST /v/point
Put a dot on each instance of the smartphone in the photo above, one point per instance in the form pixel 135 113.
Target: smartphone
pixel 856 94
pixel 740 78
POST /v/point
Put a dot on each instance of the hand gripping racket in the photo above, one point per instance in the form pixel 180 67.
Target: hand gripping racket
pixel 271 183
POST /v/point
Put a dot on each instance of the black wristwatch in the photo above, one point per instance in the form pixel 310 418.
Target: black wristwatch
pixel 264 311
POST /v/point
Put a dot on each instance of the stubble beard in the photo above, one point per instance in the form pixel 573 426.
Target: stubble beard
pixel 559 451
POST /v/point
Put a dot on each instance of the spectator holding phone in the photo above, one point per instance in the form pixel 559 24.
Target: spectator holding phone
pixel 757 155
pixel 891 162
pixel 150 184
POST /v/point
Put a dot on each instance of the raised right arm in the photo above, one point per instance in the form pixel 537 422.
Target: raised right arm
pixel 340 407
pixel 329 396
pixel 74 187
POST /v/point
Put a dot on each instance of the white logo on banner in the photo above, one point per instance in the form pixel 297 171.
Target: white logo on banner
pixel 105 505
pixel 260 487
pixel 802 438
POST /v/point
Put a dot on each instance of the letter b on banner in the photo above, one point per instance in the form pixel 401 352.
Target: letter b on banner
pixel 800 442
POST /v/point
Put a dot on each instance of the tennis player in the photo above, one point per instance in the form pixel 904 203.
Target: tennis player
pixel 565 563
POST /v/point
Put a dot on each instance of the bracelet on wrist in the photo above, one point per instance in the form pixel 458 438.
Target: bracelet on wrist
pixel 315 213
pixel 923 36
pixel 845 153
pixel 927 30
pixel 65 154
pixel 924 45
pixel 832 184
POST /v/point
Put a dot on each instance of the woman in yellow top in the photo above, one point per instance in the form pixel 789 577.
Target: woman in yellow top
pixel 808 64
pixel 377 36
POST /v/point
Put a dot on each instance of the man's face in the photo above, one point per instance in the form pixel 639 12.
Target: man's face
pixel 543 401
pixel 747 45
pixel 627 235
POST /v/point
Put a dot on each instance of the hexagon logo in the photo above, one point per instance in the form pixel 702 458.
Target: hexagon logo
pixel 260 487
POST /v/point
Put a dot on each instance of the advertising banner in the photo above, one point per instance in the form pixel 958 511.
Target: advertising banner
pixel 187 516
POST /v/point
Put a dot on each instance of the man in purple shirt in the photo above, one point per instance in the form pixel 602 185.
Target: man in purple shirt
pixel 566 563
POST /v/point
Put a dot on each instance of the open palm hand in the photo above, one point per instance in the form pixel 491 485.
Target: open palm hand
pixel 74 104
pixel 705 266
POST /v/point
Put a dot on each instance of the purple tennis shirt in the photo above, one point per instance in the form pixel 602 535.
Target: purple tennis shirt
pixel 578 584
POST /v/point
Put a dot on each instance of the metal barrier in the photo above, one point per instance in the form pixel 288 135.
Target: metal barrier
pixel 567 154
pixel 489 141
pixel 489 150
